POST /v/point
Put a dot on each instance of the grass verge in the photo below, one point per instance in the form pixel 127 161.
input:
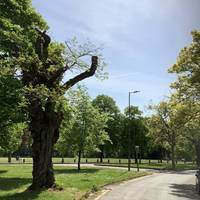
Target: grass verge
pixel 158 166
pixel 14 181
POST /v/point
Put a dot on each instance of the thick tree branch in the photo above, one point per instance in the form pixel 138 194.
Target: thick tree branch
pixel 57 74
pixel 82 76
pixel 42 44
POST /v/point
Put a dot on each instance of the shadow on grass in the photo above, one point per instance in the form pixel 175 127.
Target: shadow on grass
pixel 13 183
pixel 75 171
pixel 3 171
pixel 26 195
pixel 186 191
pixel 9 184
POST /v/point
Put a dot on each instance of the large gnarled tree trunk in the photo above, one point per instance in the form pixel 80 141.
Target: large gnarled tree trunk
pixel 44 119
pixel 44 127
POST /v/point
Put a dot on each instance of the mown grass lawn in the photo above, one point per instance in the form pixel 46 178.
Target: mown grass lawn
pixel 14 180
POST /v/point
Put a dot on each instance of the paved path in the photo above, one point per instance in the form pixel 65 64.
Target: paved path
pixel 159 186
pixel 104 167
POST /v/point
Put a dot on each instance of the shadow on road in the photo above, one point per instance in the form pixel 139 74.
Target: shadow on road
pixel 184 191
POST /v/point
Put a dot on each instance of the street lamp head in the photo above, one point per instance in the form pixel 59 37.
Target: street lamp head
pixel 136 91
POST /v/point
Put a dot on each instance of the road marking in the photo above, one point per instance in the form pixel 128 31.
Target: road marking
pixel 103 193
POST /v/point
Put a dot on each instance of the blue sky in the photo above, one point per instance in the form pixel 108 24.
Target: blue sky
pixel 141 40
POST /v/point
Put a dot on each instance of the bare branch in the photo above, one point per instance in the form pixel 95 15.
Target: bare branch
pixel 84 75
pixel 55 75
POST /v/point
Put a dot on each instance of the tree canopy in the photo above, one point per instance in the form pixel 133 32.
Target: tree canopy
pixel 40 64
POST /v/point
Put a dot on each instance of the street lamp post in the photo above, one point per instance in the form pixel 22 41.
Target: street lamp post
pixel 129 128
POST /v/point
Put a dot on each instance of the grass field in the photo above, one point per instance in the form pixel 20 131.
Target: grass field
pixel 14 181
pixel 115 162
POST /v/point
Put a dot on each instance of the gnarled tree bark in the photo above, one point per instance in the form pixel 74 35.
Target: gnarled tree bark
pixel 44 127
pixel 45 121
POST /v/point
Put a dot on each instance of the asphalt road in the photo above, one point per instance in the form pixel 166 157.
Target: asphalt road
pixel 159 186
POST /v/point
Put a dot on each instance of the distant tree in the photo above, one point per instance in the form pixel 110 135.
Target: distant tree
pixel 134 124
pixel 107 105
pixel 167 124
pixel 64 143
pixel 40 63
pixel 191 131
pixel 10 98
pixel 11 138
pixel 86 132
pixel 11 114
pixel 133 112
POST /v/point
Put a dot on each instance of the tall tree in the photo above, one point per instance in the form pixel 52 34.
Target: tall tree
pixel 134 132
pixel 187 69
pixel 86 132
pixel 107 105
pixel 10 98
pixel 11 138
pixel 167 123
pixel 41 64
pixel 11 114
pixel 192 134
pixel 187 85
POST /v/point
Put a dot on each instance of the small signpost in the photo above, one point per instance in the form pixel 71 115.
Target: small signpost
pixel 137 150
